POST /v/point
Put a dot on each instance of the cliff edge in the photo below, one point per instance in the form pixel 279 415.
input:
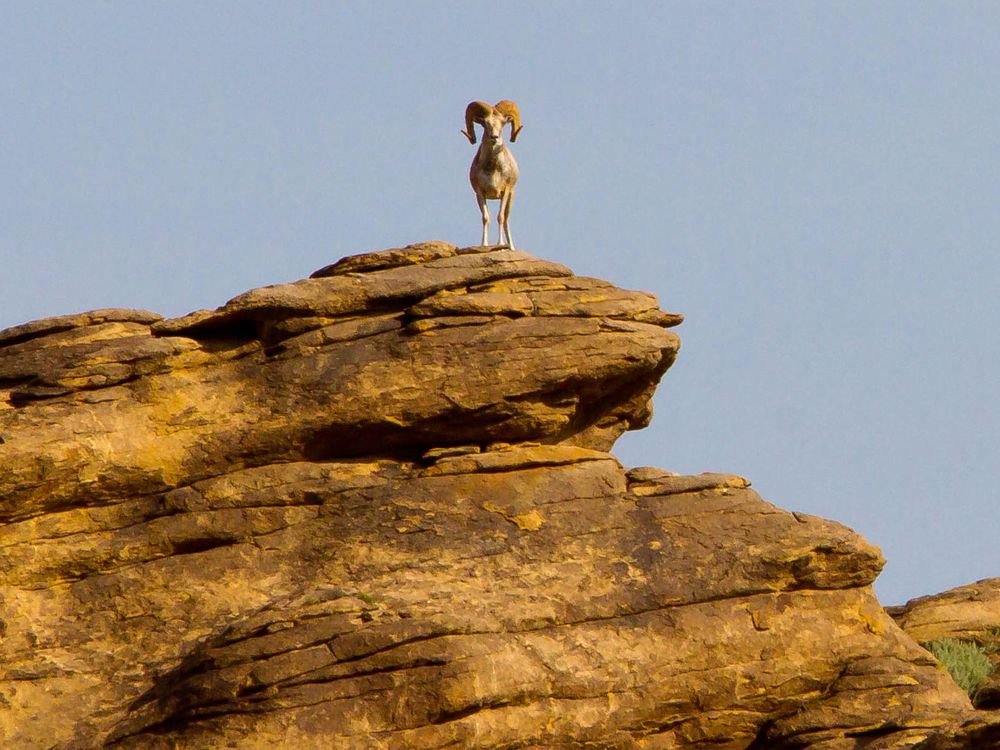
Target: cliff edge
pixel 375 509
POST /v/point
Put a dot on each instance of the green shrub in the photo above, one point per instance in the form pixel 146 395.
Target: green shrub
pixel 967 662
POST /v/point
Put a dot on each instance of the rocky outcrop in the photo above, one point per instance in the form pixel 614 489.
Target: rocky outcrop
pixel 967 613
pixel 375 509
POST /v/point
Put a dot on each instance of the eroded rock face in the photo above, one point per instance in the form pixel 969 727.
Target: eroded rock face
pixel 374 509
pixel 344 365
pixel 967 613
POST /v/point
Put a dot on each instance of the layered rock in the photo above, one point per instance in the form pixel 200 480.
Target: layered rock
pixel 967 613
pixel 344 365
pixel 375 509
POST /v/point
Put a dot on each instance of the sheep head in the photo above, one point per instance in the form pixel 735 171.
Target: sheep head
pixel 493 119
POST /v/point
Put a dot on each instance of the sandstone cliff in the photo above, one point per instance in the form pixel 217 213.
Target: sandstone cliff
pixel 375 509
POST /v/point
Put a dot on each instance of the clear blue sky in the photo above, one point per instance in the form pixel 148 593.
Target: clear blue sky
pixel 815 185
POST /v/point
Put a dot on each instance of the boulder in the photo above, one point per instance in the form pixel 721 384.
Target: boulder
pixel 967 613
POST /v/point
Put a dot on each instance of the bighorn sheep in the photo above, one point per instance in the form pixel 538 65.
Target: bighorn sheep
pixel 494 172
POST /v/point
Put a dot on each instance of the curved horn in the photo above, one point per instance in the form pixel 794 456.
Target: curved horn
pixel 513 115
pixel 475 112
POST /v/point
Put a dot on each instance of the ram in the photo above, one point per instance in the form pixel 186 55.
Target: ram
pixel 494 171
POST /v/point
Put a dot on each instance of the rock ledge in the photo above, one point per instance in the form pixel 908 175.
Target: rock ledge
pixel 375 509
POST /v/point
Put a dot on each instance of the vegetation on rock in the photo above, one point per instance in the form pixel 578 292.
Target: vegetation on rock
pixel 967 662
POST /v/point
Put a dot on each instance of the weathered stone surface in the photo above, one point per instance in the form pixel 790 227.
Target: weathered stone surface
pixel 87 423
pixel 420 252
pixel 374 509
pixel 541 602
pixel 967 613
pixel 556 297
pixel 395 285
pixel 50 326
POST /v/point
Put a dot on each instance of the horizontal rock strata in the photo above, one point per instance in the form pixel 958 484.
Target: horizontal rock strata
pixel 519 595
pixel 968 613
pixel 375 509
pixel 100 406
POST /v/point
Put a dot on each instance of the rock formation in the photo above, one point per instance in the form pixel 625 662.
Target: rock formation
pixel 968 613
pixel 375 509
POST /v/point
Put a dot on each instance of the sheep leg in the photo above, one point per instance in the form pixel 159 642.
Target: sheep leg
pixel 486 218
pixel 503 217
